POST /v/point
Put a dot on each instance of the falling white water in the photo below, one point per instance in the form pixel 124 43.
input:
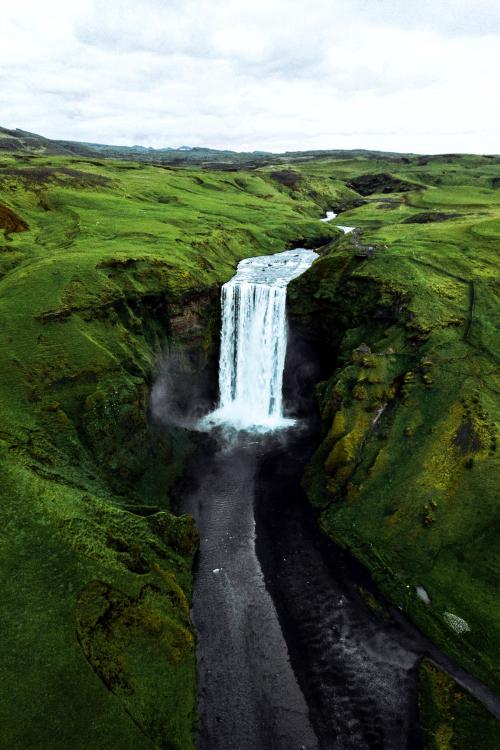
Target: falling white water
pixel 253 341
pixel 330 216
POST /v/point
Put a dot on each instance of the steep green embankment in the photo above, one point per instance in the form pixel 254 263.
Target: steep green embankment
pixel 406 312
pixel 450 718
pixel 102 264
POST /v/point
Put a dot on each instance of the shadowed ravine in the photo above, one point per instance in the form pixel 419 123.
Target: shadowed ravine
pixel 248 695
pixel 358 672
pixel 260 611
pixel 265 597
pixel 289 655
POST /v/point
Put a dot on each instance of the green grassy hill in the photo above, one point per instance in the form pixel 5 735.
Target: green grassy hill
pixel 102 266
pixel 407 311
pixel 105 263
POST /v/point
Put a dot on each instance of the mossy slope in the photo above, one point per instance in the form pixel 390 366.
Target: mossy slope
pixel 450 719
pixel 407 316
pixel 103 265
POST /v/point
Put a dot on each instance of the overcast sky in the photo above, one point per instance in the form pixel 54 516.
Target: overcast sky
pixel 398 75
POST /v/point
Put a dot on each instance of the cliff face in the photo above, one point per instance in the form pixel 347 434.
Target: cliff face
pixel 405 475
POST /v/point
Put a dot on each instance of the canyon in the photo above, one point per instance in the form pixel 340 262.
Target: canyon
pixel 109 297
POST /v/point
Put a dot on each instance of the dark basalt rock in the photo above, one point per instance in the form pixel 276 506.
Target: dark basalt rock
pixel 11 222
pixel 287 177
pixel 366 184
pixel 429 216
pixel 467 439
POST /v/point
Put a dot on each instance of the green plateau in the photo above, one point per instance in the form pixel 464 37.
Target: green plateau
pixel 105 263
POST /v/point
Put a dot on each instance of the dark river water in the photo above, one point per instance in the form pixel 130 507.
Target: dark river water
pixel 288 654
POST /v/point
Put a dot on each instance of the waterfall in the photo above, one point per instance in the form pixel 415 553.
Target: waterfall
pixel 253 346
pixel 254 339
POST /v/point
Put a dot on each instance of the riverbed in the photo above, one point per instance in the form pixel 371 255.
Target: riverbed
pixel 288 654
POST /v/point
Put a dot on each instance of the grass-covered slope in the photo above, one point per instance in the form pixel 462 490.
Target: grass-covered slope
pixel 450 718
pixel 406 312
pixel 102 266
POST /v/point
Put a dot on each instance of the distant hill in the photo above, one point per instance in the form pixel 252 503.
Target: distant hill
pixel 20 140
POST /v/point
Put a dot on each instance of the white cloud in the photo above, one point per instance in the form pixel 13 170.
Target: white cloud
pixel 266 74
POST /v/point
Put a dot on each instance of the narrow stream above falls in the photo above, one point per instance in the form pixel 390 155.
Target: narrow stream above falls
pixel 289 656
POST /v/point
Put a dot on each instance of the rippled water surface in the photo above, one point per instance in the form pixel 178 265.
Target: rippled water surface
pixel 288 654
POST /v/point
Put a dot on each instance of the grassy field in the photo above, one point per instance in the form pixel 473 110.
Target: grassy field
pixel 103 264
pixel 97 262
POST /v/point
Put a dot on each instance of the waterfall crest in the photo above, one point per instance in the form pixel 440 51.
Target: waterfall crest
pixel 254 339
